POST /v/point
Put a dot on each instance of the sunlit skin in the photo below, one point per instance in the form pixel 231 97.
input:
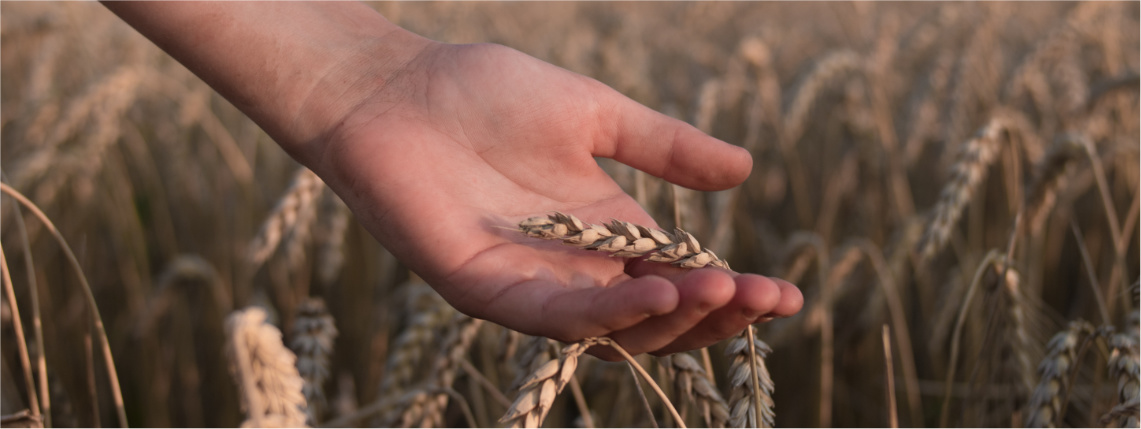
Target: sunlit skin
pixel 441 149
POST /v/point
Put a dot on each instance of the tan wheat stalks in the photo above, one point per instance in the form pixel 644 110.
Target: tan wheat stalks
pixel 428 410
pixel 1125 367
pixel 624 239
pixel 967 175
pixel 284 218
pixel 89 296
pixel 692 384
pixel 1048 400
pixel 21 341
pixel 314 331
pixel 270 384
pixel 744 384
pixel 795 121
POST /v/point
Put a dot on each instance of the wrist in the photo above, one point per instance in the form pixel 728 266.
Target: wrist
pixel 295 68
pixel 372 69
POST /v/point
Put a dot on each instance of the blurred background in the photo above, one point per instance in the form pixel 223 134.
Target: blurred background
pixel 964 173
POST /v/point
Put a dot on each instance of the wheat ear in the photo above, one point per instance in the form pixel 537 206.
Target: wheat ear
pixel 1049 177
pixel 967 175
pixel 428 410
pixel 292 207
pixel 537 392
pixel 313 333
pixel 267 378
pixel 1124 366
pixel 744 384
pixel 692 383
pixel 1047 401
pixel 624 239
pixel 428 313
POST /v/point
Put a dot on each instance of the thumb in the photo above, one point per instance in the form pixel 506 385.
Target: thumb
pixel 668 148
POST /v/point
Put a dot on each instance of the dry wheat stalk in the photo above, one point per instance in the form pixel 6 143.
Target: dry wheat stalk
pixel 743 409
pixel 824 73
pixel 314 331
pixel 967 175
pixel 692 383
pixel 1046 403
pixel 428 410
pixel 624 240
pixel 1049 177
pixel 1124 366
pixel 291 208
pixel 537 392
pixel 264 368
pixel 1018 332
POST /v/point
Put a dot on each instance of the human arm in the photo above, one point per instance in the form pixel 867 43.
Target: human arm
pixel 437 147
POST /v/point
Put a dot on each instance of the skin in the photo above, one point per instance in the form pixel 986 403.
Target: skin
pixel 441 149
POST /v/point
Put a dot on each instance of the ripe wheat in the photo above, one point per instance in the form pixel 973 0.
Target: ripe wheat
pixel 267 378
pixel 624 239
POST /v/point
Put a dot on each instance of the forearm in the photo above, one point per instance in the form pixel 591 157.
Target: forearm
pixel 295 68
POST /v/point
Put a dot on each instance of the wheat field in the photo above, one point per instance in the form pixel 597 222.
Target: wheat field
pixel 953 186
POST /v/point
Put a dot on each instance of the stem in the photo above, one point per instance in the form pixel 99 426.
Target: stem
pixel 109 361
pixel 650 380
pixel 21 342
pixel 1101 308
pixel 991 257
pixel 37 320
pixel 893 414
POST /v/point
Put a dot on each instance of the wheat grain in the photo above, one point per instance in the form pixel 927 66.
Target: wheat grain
pixel 1125 368
pixel 314 331
pixel 743 384
pixel 284 219
pixel 1046 403
pixel 428 411
pixel 428 313
pixel 692 383
pixel 1049 177
pixel 967 175
pixel 624 240
pixel 538 390
pixel 270 384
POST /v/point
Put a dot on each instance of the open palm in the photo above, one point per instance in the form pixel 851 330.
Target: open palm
pixel 443 161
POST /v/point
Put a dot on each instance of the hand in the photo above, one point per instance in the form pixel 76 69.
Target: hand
pixel 445 157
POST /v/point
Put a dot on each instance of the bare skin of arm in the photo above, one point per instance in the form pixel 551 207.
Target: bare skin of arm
pixel 439 149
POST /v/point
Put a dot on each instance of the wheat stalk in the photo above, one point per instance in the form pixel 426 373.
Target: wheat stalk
pixel 537 392
pixel 270 384
pixel 285 217
pixel 428 410
pixel 624 240
pixel 746 385
pixel 314 331
pixel 1049 177
pixel 967 175
pixel 1047 401
pixel 692 383
pixel 429 313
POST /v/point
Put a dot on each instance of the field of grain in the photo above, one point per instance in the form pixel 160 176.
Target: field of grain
pixel 954 187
